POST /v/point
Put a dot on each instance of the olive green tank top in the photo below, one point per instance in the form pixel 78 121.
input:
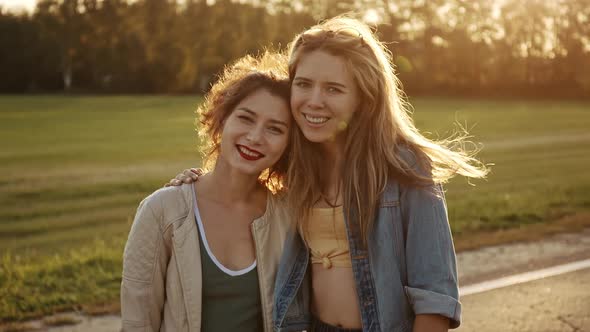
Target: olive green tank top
pixel 231 299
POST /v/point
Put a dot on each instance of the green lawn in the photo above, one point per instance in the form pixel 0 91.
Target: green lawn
pixel 73 169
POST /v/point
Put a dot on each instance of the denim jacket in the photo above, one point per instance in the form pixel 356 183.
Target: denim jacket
pixel 408 268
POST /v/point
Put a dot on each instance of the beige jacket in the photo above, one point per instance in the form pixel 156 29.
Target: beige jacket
pixel 161 287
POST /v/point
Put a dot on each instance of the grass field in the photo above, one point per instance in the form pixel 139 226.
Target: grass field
pixel 73 169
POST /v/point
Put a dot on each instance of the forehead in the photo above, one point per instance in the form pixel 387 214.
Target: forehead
pixel 320 65
pixel 267 105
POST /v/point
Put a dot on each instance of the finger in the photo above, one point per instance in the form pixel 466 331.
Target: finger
pixel 197 171
pixel 191 175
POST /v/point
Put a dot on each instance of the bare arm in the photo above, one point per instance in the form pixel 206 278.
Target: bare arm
pixel 431 323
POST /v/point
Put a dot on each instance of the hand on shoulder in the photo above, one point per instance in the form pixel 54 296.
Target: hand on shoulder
pixel 189 175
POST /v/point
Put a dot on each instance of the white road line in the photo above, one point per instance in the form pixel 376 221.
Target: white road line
pixel 523 277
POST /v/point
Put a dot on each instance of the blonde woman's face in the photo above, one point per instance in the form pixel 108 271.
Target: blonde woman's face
pixel 256 133
pixel 324 97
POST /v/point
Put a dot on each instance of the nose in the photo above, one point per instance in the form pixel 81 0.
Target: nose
pixel 255 135
pixel 316 98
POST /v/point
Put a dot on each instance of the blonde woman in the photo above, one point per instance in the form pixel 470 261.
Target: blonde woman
pixel 203 257
pixel 373 249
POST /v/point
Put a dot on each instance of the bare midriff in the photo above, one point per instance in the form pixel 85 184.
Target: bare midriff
pixel 334 299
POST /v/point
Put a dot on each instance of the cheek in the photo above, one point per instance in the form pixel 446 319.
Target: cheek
pixel 280 145
pixel 348 106
pixel 224 138
pixel 232 126
pixel 229 132
pixel 296 100
pixel 299 120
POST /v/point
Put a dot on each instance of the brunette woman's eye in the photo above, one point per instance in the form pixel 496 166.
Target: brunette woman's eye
pixel 245 118
pixel 334 90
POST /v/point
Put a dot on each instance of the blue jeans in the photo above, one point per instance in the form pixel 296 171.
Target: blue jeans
pixel 319 326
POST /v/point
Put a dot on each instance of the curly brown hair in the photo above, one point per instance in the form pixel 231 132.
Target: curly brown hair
pixel 268 71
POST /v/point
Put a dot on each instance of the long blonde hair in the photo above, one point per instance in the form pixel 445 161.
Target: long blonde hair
pixel 382 142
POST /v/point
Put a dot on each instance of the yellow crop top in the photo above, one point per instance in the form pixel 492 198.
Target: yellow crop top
pixel 326 238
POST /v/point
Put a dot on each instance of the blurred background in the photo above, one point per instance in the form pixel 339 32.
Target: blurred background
pixel 97 101
pixel 481 47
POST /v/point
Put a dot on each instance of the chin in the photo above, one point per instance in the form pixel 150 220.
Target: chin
pixel 316 137
pixel 249 171
pixel 245 169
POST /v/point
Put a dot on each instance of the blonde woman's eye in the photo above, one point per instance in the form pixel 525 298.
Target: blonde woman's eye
pixel 276 130
pixel 301 84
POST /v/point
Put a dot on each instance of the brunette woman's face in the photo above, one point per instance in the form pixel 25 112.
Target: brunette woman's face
pixel 324 97
pixel 256 133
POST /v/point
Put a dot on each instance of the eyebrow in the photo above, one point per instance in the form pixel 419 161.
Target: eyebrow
pixel 299 78
pixel 251 112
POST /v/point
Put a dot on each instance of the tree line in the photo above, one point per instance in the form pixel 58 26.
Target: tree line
pixel 463 47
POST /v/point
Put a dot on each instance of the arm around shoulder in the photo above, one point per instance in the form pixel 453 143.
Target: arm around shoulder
pixel 432 286
pixel 144 268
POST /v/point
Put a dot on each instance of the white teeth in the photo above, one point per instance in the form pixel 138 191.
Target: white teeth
pixel 248 152
pixel 314 119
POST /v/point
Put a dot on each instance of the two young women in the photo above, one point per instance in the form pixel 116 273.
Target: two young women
pixel 371 249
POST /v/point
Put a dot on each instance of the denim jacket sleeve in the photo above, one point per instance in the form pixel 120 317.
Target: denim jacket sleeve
pixel 432 286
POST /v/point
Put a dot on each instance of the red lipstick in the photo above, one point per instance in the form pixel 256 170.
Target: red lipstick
pixel 252 154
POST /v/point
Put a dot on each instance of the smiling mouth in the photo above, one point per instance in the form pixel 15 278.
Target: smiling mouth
pixel 248 153
pixel 316 120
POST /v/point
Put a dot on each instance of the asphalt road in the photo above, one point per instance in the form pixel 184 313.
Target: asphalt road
pixel 556 304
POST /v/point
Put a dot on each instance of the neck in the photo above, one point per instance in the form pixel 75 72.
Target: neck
pixel 333 154
pixel 334 162
pixel 229 186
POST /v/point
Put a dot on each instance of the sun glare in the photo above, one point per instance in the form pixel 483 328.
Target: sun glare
pixel 371 17
pixel 18 5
